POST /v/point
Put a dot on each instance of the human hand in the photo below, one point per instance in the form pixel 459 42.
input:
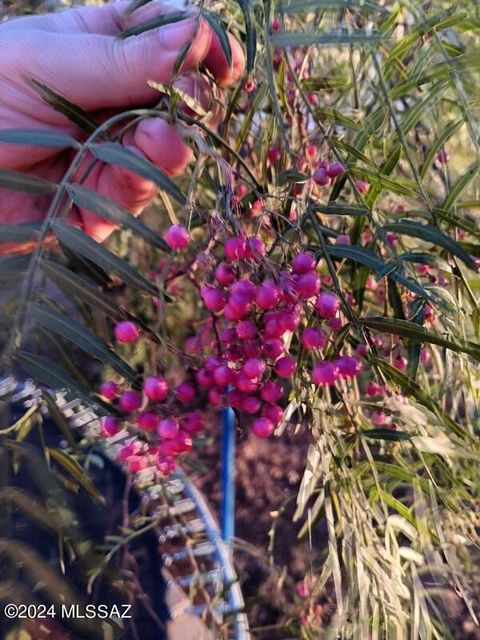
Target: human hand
pixel 76 54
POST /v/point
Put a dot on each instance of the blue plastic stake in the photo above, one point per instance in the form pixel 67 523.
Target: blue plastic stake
pixel 227 512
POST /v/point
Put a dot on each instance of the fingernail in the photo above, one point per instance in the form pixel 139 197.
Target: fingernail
pixel 174 36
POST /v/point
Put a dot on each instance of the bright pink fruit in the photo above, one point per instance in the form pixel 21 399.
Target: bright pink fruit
pixel 109 390
pixel 223 376
pixel 373 389
pixel 246 329
pixel 155 388
pixel 274 154
pixel 325 373
pixel 130 401
pixel 348 366
pixel 273 412
pixel 250 404
pixel 284 367
pixel 126 332
pixel 379 418
pixel 204 378
pixel 320 177
pixel 254 367
pixel 255 248
pixel 168 428
pixel 235 249
pixel 267 295
pixel 327 305
pixel 109 426
pixel 225 274
pixel 335 169
pixel 185 393
pixel 271 391
pixel 177 237
pixel 303 263
pixel 166 465
pixel 273 348
pixel 192 422
pixel 213 298
pixel 147 421
pixel 313 338
pixel 308 285
pixel 245 384
pixel 263 427
pixel 215 397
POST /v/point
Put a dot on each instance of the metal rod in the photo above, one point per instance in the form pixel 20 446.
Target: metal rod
pixel 227 512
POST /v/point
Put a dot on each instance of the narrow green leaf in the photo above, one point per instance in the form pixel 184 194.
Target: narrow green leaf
pixel 341 209
pixel 407 329
pixel 378 179
pixel 19 232
pixel 60 420
pixel 136 4
pixel 334 115
pixel 414 347
pixel 106 208
pixel 294 6
pixel 251 33
pixel 25 183
pixel 392 159
pixel 433 235
pixel 290 177
pixel 340 37
pixel 114 153
pixel 439 142
pixel 179 95
pixel 73 112
pixel 81 336
pixel 383 269
pixel 462 182
pixel 153 23
pixel 411 388
pixel 75 470
pixel 221 32
pixel 45 371
pixel 79 243
pixel 387 434
pixel 38 138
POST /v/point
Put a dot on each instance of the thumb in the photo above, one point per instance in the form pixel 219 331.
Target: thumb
pixel 99 71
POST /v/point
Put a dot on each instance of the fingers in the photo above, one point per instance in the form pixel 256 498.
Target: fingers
pixel 152 139
pixel 216 61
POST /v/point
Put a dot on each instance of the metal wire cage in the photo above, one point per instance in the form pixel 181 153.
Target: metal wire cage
pixel 195 556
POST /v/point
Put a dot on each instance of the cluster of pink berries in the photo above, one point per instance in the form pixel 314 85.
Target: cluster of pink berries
pixel 166 415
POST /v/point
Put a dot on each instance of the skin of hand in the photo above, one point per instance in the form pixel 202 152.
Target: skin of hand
pixel 76 54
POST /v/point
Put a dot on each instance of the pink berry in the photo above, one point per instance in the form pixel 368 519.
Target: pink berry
pixel 223 376
pixel 192 422
pixel 273 348
pixel 192 345
pixel 348 366
pixel 263 427
pixel 130 401
pixel 327 305
pixel 235 249
pixel 177 237
pixel 400 363
pixel 256 208
pixel 185 393
pixel 254 368
pixel 228 335
pixel 313 338
pixel 320 177
pixel 335 169
pixel 109 389
pixel 168 428
pixel 342 238
pixel 284 367
pixel 276 25
pixel 255 248
pixel 274 154
pixel 273 412
pixel 308 285
pixel 271 391
pixel 224 274
pixel 442 156
pixel 335 324
pixel 361 350
pixel 109 426
pixel 267 295
pixel 155 388
pixel 244 288
pixel 126 332
pixel 362 186
pixel 246 384
pixel 251 348
pixel 183 443
pixel 251 404
pixel 204 378
pixel 373 389
pixel 424 356
pixel 249 86
pixel 166 465
pixel 213 298
pixel 325 373
pixel 147 421
pixel 303 263
pixel 246 329
pixel 379 418
pixel 215 397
